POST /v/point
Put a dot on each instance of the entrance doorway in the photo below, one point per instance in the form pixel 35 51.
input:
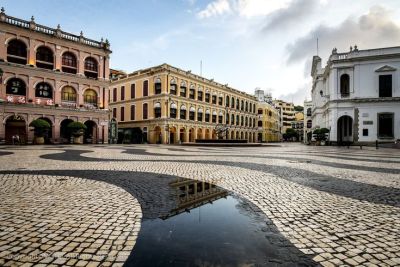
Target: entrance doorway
pixel 16 127
pixel 90 132
pixel 345 130
pixel 65 133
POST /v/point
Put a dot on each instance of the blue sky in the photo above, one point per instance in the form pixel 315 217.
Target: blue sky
pixel 245 43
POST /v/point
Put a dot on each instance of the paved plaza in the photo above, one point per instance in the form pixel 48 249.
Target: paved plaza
pixel 84 205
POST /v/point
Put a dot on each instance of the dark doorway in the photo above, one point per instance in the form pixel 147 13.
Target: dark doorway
pixel 65 134
pixel 345 130
pixel 90 133
pixel 16 127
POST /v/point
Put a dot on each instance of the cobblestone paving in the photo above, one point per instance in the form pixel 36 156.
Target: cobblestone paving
pixel 337 206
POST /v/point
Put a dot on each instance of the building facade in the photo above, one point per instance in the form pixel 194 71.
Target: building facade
pixel 167 105
pixel 51 74
pixel 298 125
pixel 307 122
pixel 357 95
pixel 268 123
pixel 287 114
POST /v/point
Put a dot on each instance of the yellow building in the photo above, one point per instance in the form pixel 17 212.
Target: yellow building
pixel 268 123
pixel 287 114
pixel 164 104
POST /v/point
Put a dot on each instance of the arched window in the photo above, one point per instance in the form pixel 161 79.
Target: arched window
pixel 237 104
pixel 172 87
pixel 227 118
pixel 309 112
pixel 172 110
pixel 192 91
pixel 15 86
pixel 157 110
pixel 157 86
pixel 247 106
pixel 227 101
pixel 237 119
pixel 207 98
pixel 242 105
pixel 17 52
pixel 241 121
pixel 200 93
pixel 90 97
pixel 183 112
pixel 200 114
pixel 43 90
pixel 91 68
pixel 207 117
pixel 44 58
pixel 232 102
pixel 214 116
pixel 192 111
pixel 183 89
pixel 68 94
pixel 246 122
pixel 214 99
pixel 220 117
pixel 146 88
pixel 220 100
pixel 68 62
pixel 345 85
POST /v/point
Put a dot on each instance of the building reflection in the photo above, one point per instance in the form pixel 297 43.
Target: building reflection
pixel 191 194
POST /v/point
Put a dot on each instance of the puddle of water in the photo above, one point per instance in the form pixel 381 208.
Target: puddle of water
pixel 208 227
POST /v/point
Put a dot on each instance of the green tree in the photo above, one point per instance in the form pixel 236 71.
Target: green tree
pixel 298 108
pixel 41 127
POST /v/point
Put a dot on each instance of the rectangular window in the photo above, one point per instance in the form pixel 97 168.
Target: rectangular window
pixel 114 113
pixel 132 112
pixel 214 99
pixel 115 95
pixel 365 132
pixel 207 117
pixel 145 88
pixel 385 85
pixel 183 91
pixel 145 111
pixel 172 89
pixel 200 95
pixel 386 125
pixel 157 88
pixel 122 93
pixel 133 91
pixel 122 113
pixel 220 101
pixel 199 116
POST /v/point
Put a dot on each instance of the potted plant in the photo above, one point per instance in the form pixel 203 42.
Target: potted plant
pixel 320 135
pixel 77 130
pixel 41 127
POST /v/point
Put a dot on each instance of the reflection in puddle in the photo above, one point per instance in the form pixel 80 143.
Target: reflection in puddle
pixel 209 227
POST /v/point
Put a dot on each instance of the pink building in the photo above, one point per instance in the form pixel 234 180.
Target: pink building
pixel 51 74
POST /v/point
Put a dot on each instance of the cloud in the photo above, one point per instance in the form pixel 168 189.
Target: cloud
pixel 243 8
pixel 216 8
pixel 372 30
pixel 290 15
pixel 298 96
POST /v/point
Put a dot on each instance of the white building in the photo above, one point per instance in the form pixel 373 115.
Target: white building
pixel 307 121
pixel 357 95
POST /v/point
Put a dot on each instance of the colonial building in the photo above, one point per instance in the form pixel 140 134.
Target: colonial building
pixel 51 74
pixel 164 104
pixel 298 125
pixel 268 118
pixel 307 122
pixel 357 95
pixel 287 114
pixel 268 123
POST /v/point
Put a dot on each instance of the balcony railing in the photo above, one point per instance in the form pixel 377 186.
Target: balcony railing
pixel 32 25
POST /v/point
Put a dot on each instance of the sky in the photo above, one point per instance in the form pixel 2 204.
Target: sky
pixel 243 43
